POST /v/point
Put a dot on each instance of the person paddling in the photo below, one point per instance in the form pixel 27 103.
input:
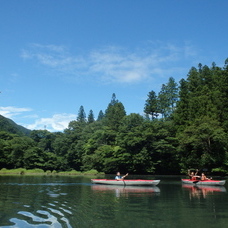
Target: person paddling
pixel 203 177
pixel 192 175
pixel 118 177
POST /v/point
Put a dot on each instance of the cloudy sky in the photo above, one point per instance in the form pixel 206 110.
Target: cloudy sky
pixel 57 55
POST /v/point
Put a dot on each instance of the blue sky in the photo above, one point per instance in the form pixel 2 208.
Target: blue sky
pixel 57 55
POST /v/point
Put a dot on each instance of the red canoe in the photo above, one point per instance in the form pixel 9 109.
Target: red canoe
pixel 126 182
pixel 205 182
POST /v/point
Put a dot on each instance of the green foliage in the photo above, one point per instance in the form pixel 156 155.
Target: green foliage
pixel 184 127
pixel 163 104
pixel 72 172
pixel 203 144
pixel 220 171
pixel 114 113
pixel 35 171
pixel 81 115
pixel 151 106
pixel 91 172
pixel 19 171
pixel 167 98
pixel 91 117
pixel 10 126
pixel 100 115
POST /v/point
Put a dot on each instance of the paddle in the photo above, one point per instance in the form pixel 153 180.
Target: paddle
pixel 123 178
pixel 196 181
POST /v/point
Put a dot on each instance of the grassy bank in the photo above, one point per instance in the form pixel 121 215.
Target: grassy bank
pixel 22 171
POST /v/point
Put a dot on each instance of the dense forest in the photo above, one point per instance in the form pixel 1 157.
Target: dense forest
pixel 184 126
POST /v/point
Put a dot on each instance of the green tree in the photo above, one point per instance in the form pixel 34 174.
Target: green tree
pixel 163 102
pixel 181 114
pixel 81 115
pixel 167 98
pixel 91 117
pixel 151 106
pixel 165 147
pixel 135 145
pixel 203 144
pixel 100 115
pixel 173 94
pixel 34 158
pixel 43 138
pixel 114 113
pixel 18 147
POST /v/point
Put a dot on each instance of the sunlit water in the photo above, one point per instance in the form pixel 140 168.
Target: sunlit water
pixel 59 201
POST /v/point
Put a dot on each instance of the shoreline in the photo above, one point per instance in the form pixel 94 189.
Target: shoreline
pixel 40 172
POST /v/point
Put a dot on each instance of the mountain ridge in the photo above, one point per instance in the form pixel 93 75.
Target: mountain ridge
pixel 10 126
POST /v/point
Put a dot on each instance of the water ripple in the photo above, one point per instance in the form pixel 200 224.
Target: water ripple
pixel 42 219
pixel 54 214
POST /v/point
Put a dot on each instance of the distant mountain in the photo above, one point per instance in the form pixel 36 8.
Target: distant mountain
pixel 11 127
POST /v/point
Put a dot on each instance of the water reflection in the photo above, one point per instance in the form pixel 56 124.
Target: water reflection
pixel 126 190
pixel 196 191
pixel 41 202
pixel 35 204
pixel 40 212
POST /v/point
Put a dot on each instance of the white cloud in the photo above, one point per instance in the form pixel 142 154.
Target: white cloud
pixel 57 122
pixel 113 64
pixel 116 66
pixel 11 111
pixel 52 56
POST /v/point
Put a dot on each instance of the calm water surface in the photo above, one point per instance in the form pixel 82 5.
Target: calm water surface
pixel 53 201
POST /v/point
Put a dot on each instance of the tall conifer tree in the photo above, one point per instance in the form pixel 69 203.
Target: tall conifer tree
pixel 91 117
pixel 114 113
pixel 81 115
pixel 151 106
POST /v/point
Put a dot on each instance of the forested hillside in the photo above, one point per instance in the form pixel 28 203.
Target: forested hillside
pixel 10 126
pixel 185 126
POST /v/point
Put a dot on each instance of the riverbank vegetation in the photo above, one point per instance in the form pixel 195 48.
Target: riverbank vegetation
pixel 22 171
pixel 185 125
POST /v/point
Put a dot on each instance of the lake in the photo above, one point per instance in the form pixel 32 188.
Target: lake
pixel 72 201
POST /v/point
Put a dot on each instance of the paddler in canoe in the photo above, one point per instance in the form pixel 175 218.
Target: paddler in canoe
pixel 203 177
pixel 118 177
pixel 193 175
